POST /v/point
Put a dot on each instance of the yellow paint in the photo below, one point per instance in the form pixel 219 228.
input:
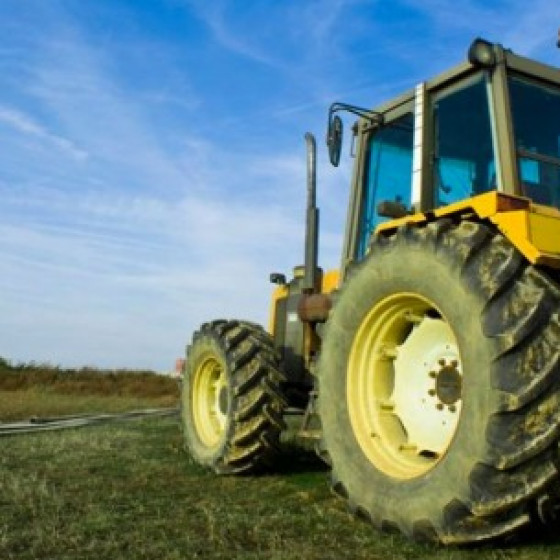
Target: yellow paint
pixel 279 293
pixel 533 229
pixel 208 379
pixel 375 364
pixel 330 281
pixel 515 227
pixel 545 232
pixel 546 210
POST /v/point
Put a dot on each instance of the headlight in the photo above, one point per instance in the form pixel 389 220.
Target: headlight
pixel 481 53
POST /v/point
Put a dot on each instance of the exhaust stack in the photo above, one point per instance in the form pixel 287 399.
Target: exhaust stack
pixel 312 218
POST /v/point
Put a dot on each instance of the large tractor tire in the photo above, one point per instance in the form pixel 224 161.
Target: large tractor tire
pixel 232 402
pixel 439 385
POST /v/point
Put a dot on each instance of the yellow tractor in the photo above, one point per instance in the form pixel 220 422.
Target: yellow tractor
pixel 427 367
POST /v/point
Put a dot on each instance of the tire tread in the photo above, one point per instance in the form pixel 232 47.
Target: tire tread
pixel 520 318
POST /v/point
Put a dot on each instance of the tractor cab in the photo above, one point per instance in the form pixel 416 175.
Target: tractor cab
pixel 489 124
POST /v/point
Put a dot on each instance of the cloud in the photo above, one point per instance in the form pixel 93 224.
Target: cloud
pixel 527 28
pixel 115 261
pixel 115 258
pixel 24 124
pixel 219 20
pixel 170 265
pixel 302 41
pixel 532 29
pixel 140 199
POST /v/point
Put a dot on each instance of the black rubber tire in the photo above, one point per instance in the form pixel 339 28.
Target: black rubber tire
pixel 255 402
pixel 505 316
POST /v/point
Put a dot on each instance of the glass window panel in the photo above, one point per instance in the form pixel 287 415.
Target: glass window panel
pixel 464 156
pixel 536 122
pixel 388 174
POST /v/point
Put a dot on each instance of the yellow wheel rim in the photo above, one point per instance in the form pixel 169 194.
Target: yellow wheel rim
pixel 209 400
pixel 404 385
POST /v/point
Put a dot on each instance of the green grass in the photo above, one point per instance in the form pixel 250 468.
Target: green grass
pixel 21 405
pixel 130 491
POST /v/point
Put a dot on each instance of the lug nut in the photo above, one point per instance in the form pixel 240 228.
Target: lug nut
pixel 388 352
pixel 413 317
pixel 439 406
pixel 452 408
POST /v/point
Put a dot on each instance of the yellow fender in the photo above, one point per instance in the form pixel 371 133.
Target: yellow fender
pixel 533 229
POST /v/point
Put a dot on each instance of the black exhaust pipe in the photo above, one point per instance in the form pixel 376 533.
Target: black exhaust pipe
pixel 312 218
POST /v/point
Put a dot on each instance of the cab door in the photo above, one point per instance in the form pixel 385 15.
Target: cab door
pixel 387 174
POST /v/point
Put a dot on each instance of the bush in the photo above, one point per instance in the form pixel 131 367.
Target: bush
pixel 86 380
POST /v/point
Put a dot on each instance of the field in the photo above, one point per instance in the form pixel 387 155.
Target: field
pixel 42 390
pixel 129 490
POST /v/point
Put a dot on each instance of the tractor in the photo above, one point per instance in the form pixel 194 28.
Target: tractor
pixel 426 369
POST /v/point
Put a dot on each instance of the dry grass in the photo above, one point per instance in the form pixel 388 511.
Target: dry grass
pixel 89 380
pixel 21 405
pixel 41 390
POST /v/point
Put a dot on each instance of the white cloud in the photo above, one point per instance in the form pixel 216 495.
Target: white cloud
pixel 132 213
pixel 117 260
pixel 216 16
pixel 24 124
pixel 527 28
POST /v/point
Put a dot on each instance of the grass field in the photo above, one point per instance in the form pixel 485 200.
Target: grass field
pixel 128 490
pixel 41 390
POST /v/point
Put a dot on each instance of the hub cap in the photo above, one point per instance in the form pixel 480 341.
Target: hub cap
pixel 404 385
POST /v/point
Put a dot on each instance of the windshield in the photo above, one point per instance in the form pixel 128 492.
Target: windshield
pixel 536 123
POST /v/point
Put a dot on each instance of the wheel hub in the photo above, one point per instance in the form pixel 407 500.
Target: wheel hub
pixel 449 384
pixel 427 385
pixel 405 385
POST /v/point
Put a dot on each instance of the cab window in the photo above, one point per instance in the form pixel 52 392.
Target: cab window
pixel 388 173
pixel 464 164
pixel 536 122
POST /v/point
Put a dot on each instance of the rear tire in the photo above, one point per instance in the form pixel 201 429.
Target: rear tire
pixel 232 402
pixel 480 344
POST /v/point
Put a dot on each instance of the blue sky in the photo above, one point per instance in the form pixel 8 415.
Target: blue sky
pixel 152 168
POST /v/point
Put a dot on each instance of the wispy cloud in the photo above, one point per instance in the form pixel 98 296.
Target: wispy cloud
pixel 527 28
pixel 158 229
pixel 139 241
pixel 216 15
pixel 24 124
pixel 151 183
pixel 117 260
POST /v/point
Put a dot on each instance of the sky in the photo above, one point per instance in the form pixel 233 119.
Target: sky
pixel 152 160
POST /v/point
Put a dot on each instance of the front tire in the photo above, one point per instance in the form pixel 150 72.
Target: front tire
pixel 232 402
pixel 439 385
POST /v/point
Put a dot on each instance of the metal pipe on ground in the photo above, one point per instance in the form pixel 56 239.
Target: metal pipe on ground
pixel 34 425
